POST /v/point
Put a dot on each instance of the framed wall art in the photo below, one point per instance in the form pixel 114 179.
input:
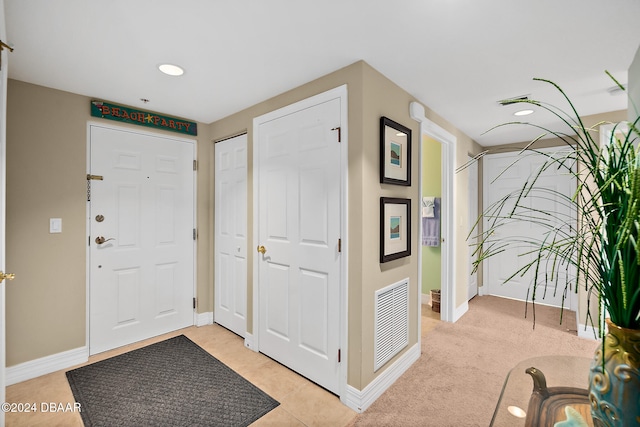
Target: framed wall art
pixel 395 153
pixel 395 228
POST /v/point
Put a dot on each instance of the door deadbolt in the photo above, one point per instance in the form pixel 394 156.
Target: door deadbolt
pixel 99 218
pixel 8 276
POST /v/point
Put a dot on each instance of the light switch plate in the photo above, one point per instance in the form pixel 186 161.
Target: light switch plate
pixel 55 225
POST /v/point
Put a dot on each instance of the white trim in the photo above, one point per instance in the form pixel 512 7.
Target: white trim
pixel 341 93
pixel 46 365
pixel 588 332
pixel 425 299
pixel 449 312
pixel 248 342
pixel 360 400
pixel 459 311
pixel 194 142
pixel 203 319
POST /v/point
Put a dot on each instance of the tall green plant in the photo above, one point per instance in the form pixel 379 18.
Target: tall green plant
pixel 600 243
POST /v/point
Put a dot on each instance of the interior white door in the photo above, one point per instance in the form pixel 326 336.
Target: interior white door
pixel 299 229
pixel 472 290
pixel 231 234
pixel 3 157
pixel 500 180
pixel 142 276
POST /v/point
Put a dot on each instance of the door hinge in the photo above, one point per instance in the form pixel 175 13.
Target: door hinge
pixel 195 234
pixel 195 165
pixel 339 129
pixel 339 245
pixel 195 303
pixel 339 355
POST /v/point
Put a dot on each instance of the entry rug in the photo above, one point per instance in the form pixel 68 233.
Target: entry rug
pixel 170 383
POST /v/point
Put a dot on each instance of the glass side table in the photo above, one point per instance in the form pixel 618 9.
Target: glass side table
pixel 537 391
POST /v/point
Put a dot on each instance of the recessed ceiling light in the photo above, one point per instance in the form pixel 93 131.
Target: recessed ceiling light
pixel 170 69
pixel 523 113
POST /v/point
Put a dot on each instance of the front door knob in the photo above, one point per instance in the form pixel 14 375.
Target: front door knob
pixel 8 276
pixel 262 249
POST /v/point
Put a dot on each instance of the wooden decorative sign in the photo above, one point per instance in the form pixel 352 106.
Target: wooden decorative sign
pixel 110 111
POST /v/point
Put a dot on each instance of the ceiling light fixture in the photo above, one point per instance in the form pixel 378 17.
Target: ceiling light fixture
pixel 517 412
pixel 171 70
pixel 523 113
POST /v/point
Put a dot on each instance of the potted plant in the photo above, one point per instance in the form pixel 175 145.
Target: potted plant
pixel 601 247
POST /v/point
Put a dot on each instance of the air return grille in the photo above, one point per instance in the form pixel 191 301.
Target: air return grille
pixel 391 322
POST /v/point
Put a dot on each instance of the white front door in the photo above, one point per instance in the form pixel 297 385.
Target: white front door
pixel 472 290
pixel 142 206
pixel 299 208
pixel 500 267
pixel 3 176
pixel 231 234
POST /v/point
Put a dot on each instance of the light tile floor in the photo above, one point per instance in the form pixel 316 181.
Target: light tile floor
pixel 302 403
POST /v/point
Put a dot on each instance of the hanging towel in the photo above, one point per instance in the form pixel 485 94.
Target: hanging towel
pixel 427 207
pixel 431 225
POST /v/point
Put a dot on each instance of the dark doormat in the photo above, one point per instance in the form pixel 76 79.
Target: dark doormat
pixel 170 383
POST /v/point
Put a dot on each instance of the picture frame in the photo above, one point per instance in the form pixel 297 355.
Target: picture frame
pixel 395 153
pixel 395 228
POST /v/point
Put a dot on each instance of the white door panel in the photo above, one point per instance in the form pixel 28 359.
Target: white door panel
pixel 299 225
pixel 231 234
pixel 4 59
pixel 500 179
pixel 141 280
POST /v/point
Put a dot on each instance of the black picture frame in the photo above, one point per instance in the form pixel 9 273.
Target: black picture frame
pixel 395 153
pixel 395 228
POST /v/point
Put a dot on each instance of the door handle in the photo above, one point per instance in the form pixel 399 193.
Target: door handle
pixel 100 239
pixel 8 276
pixel 262 249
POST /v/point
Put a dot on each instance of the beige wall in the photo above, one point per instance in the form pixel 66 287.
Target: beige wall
pixel 370 96
pixel 47 134
pixel 46 178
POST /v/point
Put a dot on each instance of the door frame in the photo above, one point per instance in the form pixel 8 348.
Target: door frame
pixel 3 180
pixel 252 340
pixel 91 123
pixel 449 311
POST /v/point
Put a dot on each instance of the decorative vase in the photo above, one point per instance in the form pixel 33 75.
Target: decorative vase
pixel 614 386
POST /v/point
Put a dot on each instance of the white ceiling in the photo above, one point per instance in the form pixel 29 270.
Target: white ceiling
pixel 458 57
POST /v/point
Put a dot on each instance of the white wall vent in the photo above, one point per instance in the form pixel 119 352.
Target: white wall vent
pixel 391 322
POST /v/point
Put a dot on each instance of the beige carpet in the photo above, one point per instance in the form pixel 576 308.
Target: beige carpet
pixel 458 378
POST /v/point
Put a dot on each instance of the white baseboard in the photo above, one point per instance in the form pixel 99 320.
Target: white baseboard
pixel 425 299
pixel 205 318
pixel 460 311
pixel 360 400
pixel 588 332
pixel 46 365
